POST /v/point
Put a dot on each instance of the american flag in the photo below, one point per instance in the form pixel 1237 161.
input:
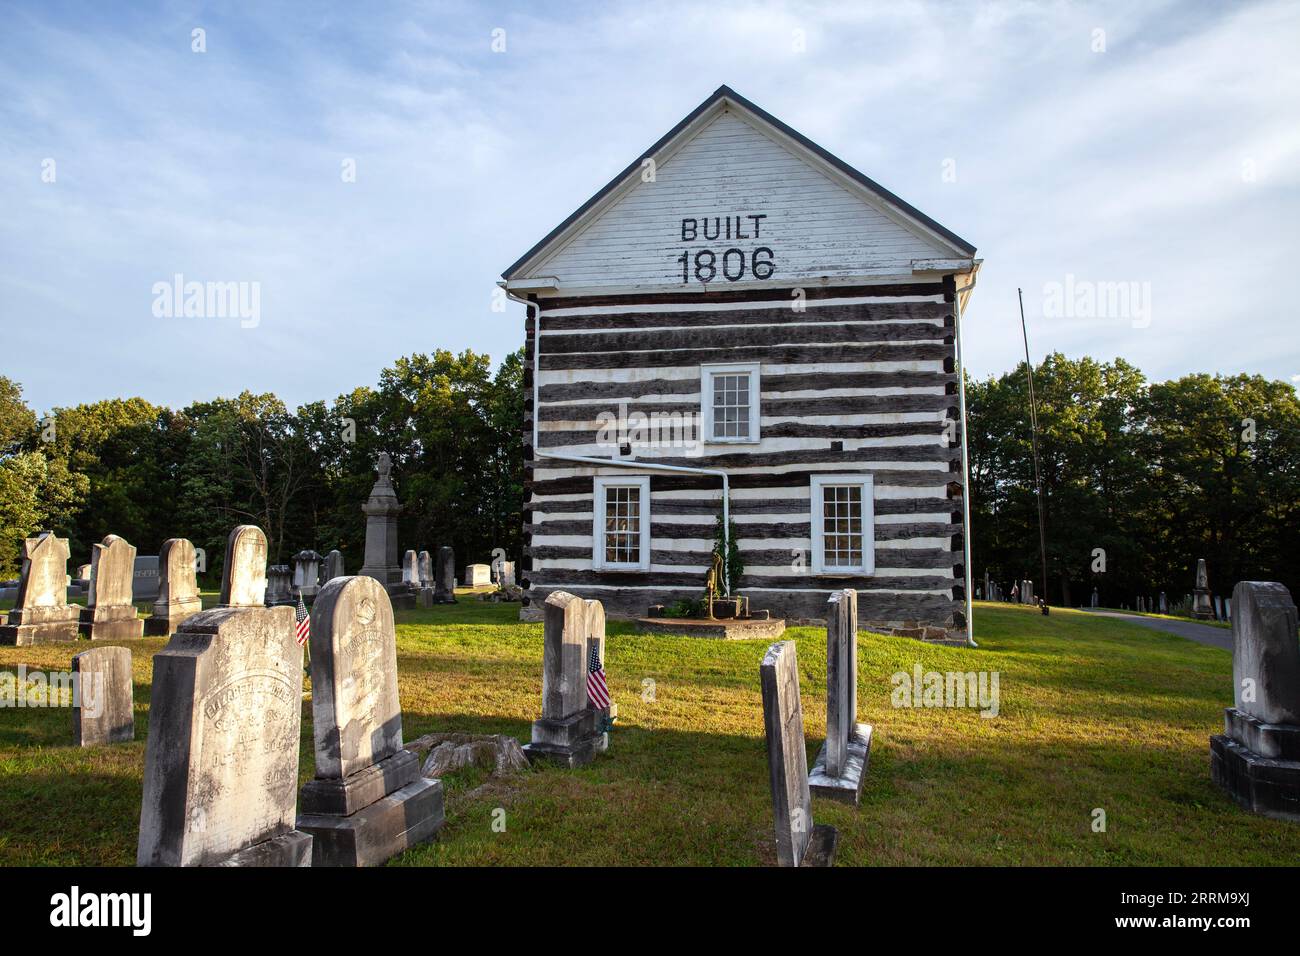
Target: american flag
pixel 597 689
pixel 304 621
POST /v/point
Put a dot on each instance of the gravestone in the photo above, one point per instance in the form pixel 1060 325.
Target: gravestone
pixel 1218 608
pixel 109 614
pixel 1227 608
pixel 1164 603
pixel 104 712
pixel 411 570
pixel 178 589
pixel 1257 757
pixel 83 573
pixel 333 565
pixel 444 588
pixel 569 732
pixel 477 575
pixel 279 586
pixel 1095 597
pixel 841 765
pixel 145 581
pixel 41 614
pixel 798 841
pixel 426 569
pixel 368 801
pixel 1201 608
pixel 225 715
pixel 381 510
pixel 507 576
pixel 306 572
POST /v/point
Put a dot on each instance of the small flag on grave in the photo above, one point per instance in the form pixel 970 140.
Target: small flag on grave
pixel 597 689
pixel 304 621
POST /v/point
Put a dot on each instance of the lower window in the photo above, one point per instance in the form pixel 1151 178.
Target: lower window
pixel 843 520
pixel 621 538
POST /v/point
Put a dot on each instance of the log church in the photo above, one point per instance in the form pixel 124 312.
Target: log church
pixel 741 321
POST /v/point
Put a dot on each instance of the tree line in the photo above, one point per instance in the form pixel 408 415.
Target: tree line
pixel 452 426
pixel 1141 479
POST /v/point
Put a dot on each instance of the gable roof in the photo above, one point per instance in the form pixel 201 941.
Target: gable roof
pixel 725 95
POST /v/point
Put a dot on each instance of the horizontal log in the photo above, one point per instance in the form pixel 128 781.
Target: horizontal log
pixel 725 338
pixel 812 292
pixel 937 558
pixel 799 530
pixel 770 407
pixel 786 382
pixel 778 314
pixel 561 576
pixel 782 354
pixel 787 429
pixel 579 484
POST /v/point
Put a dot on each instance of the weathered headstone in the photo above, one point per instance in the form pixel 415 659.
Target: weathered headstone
pixel 145 582
pixel 477 575
pixel 279 586
pixel 306 572
pixel 444 589
pixel 1257 757
pixel 381 510
pixel 1095 597
pixel 1227 608
pixel 426 569
pixel 368 801
pixel 798 841
pixel 507 575
pixel 1201 607
pixel 225 715
pixel 41 614
pixel 569 732
pixel 104 711
pixel 109 614
pixel 83 573
pixel 411 570
pixel 178 589
pixel 1164 603
pixel 333 565
pixel 841 766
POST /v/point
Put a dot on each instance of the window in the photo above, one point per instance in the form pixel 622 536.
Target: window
pixel 729 402
pixel 843 520
pixel 622 524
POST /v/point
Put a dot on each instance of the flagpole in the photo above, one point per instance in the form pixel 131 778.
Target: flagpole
pixel 1033 433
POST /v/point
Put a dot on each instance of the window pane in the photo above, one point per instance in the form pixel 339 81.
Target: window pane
pixel 731 405
pixel 842 526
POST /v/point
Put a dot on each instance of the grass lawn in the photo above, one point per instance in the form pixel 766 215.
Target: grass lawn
pixel 1095 713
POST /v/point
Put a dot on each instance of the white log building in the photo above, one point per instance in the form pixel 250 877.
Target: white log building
pixel 740 306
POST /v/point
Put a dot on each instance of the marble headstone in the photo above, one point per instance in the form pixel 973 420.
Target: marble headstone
pixel 306 572
pixel 103 712
pixel 221 763
pixel 368 801
pixel 41 614
pixel 381 510
pixel 109 614
pixel 841 766
pixel 477 575
pixel 411 569
pixel 334 565
pixel 426 569
pixel 178 589
pixel 569 732
pixel 145 578
pixel 1257 758
pixel 798 841
pixel 279 586
pixel 1202 609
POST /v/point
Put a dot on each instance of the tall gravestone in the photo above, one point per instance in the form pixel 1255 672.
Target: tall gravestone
pixel 225 715
pixel 381 510
pixel 145 577
pixel 41 614
pixel 569 732
pixel 1257 757
pixel 411 570
pixel 178 589
pixel 841 766
pixel 1201 607
pixel 104 711
pixel 426 569
pixel 444 589
pixel 306 572
pixel 110 615
pixel 798 841
pixel 369 801
pixel 333 565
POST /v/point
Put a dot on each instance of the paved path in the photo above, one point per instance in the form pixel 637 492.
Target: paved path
pixel 1200 633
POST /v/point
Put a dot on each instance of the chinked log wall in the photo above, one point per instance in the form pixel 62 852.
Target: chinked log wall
pixel 875 376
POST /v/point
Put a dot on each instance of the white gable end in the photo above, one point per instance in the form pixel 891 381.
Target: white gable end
pixel 734 206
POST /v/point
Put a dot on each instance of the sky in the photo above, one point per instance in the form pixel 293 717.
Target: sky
pixel 370 169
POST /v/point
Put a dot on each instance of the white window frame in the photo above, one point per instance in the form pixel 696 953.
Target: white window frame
pixel 818 517
pixel 601 483
pixel 754 369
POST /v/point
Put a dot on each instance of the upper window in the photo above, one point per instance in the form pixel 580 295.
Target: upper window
pixel 621 541
pixel 843 519
pixel 729 402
